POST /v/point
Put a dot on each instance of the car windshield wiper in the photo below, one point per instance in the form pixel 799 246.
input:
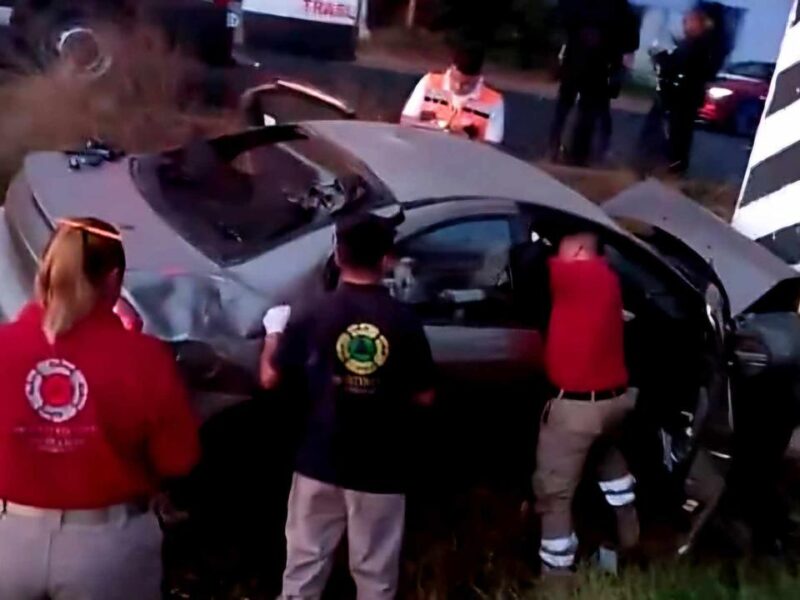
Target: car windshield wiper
pixel 93 154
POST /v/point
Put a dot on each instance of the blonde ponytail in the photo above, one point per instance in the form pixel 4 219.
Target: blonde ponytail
pixel 64 288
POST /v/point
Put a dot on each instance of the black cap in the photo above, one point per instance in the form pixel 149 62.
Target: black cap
pixel 363 240
pixel 469 58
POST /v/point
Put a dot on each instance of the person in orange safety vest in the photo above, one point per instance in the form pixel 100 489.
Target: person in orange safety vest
pixel 458 100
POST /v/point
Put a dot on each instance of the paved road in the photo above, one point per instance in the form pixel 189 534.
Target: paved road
pixel 380 94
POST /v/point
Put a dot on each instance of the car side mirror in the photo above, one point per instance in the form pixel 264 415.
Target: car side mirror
pixel 402 282
pixel 715 310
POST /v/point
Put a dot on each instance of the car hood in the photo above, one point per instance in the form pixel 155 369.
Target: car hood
pixel 180 294
pixel 746 269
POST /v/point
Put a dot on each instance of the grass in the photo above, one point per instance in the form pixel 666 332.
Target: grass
pixel 599 185
pixel 499 577
pixel 477 546
pixel 687 582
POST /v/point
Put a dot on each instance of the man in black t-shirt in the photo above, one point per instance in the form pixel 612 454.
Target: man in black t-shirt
pixel 365 361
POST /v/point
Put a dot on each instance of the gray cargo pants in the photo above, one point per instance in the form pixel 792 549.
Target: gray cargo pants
pixel 42 558
pixel 319 514
pixel 570 429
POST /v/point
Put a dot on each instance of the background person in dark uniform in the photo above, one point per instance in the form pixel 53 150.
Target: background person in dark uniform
pixel 365 361
pixel 683 76
pixel 627 42
pixel 593 30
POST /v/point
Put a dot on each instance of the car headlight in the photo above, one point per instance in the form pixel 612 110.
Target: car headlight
pixel 718 93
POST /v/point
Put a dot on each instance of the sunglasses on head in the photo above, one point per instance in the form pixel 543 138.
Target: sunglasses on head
pixel 111 235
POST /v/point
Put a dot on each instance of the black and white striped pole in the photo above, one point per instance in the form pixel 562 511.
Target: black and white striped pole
pixel 769 204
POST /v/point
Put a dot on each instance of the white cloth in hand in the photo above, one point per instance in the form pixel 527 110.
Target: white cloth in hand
pixel 276 319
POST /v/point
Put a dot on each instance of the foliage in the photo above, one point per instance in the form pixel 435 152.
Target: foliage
pixel 522 30
pixel 143 103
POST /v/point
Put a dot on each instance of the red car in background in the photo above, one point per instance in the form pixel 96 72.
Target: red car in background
pixel 735 101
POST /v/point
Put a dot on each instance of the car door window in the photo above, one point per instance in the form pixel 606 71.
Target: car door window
pixel 650 286
pixel 458 272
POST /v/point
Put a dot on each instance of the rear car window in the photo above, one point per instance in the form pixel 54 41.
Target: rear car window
pixel 236 197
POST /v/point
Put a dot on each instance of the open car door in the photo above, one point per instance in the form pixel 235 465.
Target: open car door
pixel 281 101
pixel 747 290
pixel 752 277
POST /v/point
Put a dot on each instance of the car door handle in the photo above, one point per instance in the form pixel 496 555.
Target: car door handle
pixel 459 297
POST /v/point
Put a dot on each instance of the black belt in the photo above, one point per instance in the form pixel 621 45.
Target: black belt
pixel 94 516
pixel 593 396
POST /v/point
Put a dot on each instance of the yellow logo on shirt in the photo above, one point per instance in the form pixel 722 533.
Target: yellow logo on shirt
pixel 363 349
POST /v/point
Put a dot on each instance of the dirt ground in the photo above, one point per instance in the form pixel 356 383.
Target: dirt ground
pixel 599 185
pixel 420 51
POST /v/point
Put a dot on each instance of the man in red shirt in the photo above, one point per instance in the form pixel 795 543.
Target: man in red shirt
pixel 585 363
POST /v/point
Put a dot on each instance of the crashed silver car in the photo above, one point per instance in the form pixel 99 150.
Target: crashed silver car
pixel 220 230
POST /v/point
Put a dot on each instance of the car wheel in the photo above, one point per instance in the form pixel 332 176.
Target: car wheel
pixel 747 118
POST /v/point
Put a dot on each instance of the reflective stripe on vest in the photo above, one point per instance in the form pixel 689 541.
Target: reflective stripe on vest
pixel 475 112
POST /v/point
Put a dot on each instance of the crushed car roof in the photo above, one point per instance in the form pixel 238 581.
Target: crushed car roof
pixel 418 164
pixel 747 270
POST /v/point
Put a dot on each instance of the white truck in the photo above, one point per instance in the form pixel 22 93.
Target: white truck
pixel 328 28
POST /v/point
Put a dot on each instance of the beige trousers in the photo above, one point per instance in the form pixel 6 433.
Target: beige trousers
pixel 570 430
pixel 319 515
pixel 41 558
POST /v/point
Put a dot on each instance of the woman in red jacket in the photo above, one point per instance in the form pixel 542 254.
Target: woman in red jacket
pixel 93 418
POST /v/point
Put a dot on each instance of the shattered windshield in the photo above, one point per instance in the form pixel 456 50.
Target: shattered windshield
pixel 236 197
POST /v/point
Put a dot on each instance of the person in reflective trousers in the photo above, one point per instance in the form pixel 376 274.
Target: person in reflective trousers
pixel 366 363
pixel 585 363
pixel 94 419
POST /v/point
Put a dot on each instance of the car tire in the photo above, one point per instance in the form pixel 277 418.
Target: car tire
pixel 747 118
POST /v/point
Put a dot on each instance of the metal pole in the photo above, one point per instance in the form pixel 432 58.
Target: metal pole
pixel 363 28
pixel 411 15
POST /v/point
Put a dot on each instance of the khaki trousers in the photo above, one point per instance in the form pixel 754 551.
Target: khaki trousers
pixel 570 430
pixel 42 558
pixel 319 515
